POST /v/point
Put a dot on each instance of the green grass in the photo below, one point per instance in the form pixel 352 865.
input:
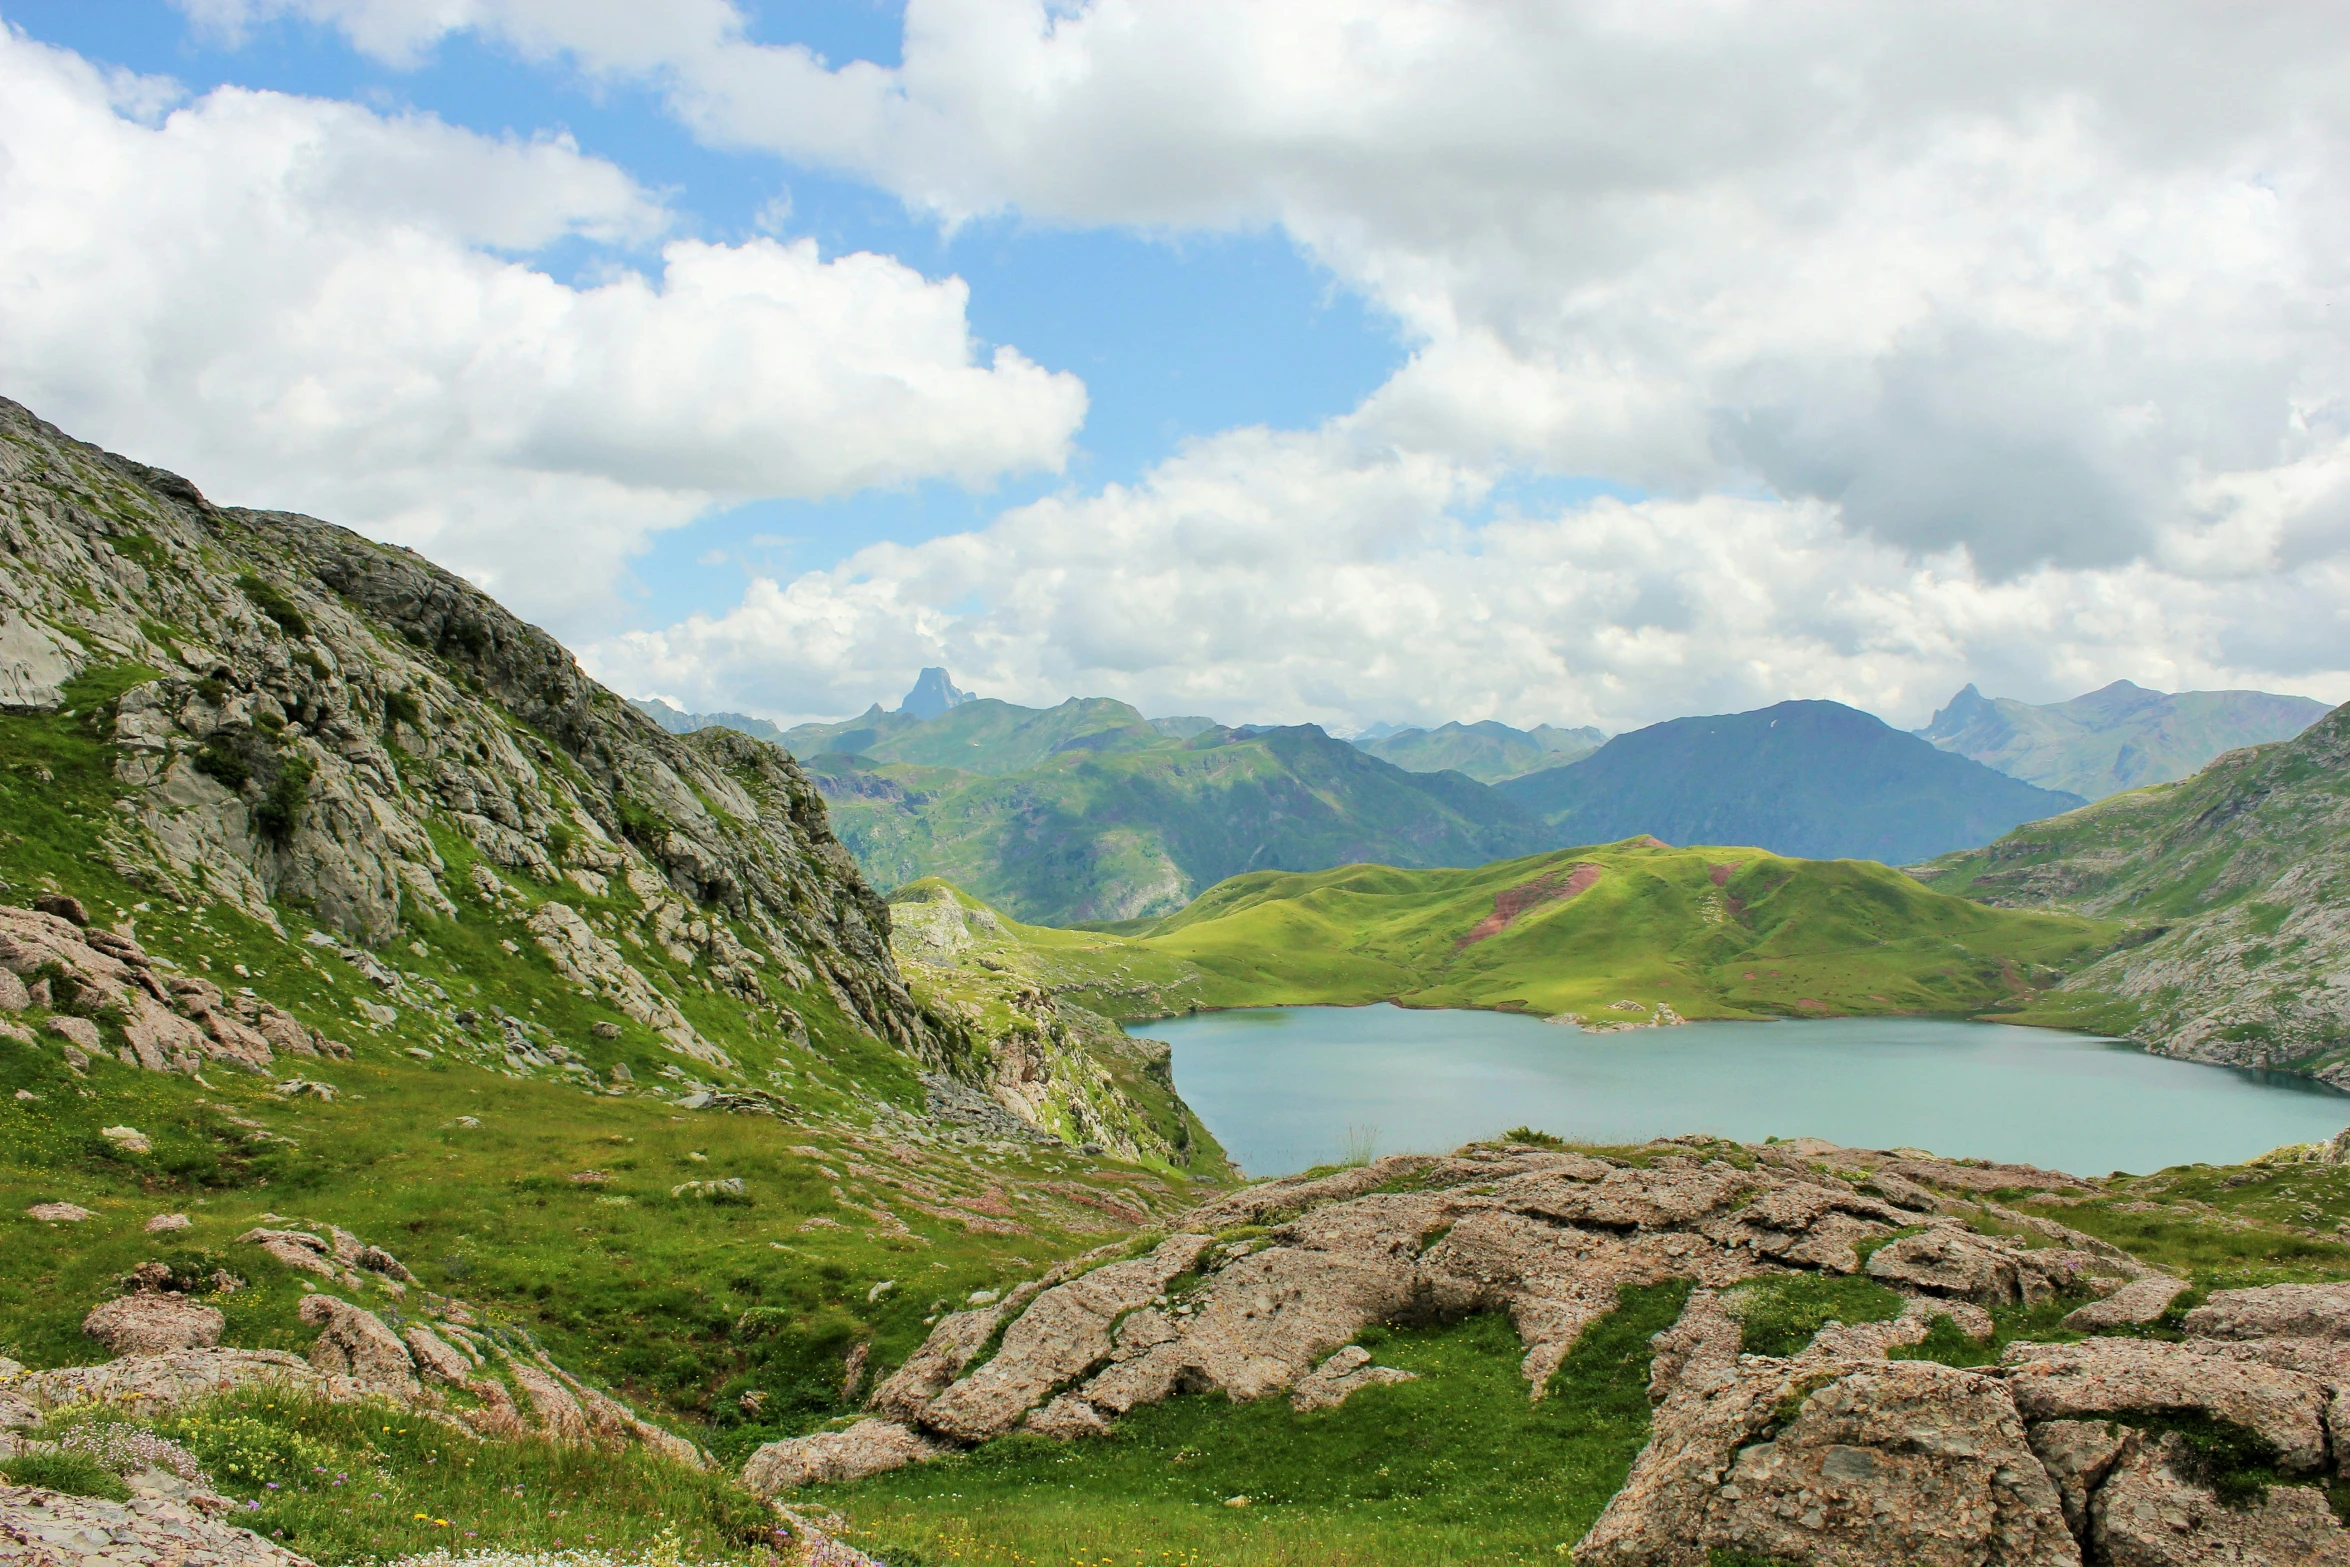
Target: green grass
pixel 1457 1467
pixel 357 1483
pixel 1778 1316
pixel 1707 932
pixel 72 1473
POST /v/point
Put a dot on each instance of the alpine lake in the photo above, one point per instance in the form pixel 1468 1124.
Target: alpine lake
pixel 1288 1088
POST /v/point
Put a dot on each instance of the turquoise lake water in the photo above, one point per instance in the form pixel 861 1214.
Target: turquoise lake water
pixel 1283 1087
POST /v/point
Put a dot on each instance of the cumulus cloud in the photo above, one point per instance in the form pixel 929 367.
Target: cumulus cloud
pixel 2012 334
pixel 308 305
pixel 1286 577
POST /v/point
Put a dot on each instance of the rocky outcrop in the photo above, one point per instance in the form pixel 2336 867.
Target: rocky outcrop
pixel 324 704
pixel 869 1447
pixel 353 1342
pixel 2154 1512
pixel 46 1529
pixel 1547 1237
pixel 153 1324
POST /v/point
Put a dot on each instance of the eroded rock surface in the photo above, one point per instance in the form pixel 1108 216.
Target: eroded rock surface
pixel 46 1529
pixel 2151 1513
pixel 153 1324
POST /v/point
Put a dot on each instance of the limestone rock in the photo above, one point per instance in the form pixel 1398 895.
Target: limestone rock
pixel 58 1213
pixel 164 1223
pixel 128 1138
pixel 79 1032
pixel 1953 1261
pixel 2148 1515
pixel 168 1380
pixel 558 1413
pixel 1903 1462
pixel 47 1529
pixel 434 1357
pixel 153 1324
pixel 354 1342
pixel 585 958
pixel 2078 1454
pixel 1342 1376
pixel 2119 1377
pixel 2133 1305
pixel 13 996
pixel 869 1447
pixel 2309 1311
pixel 1064 1331
pixel 295 1248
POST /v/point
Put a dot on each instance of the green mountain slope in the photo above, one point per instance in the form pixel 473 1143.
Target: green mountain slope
pixel 1487 751
pixel 1118 823
pixel 397 922
pixel 1817 780
pixel 2239 878
pixel 2121 737
pixel 1618 933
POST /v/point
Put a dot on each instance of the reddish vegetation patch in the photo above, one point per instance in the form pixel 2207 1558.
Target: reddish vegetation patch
pixel 1086 1196
pixel 1649 840
pixel 1722 873
pixel 1816 1006
pixel 1557 887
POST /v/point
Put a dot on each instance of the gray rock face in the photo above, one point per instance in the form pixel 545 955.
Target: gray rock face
pixel 350 678
pixel 1339 1378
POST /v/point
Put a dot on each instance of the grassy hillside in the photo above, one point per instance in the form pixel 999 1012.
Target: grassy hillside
pixel 2121 737
pixel 1140 824
pixel 1707 932
pixel 2239 878
pixel 1488 751
pixel 1815 779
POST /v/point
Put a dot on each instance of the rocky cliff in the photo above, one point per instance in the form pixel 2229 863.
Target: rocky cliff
pixel 2238 879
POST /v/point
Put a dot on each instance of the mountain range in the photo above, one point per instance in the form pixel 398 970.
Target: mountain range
pixel 2120 737
pixel 1815 779
pixel 1488 751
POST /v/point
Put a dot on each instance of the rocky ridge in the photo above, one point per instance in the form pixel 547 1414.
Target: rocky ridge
pixel 1845 1451
pixel 2239 880
pixel 320 731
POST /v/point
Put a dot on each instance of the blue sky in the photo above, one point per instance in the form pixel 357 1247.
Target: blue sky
pixel 1342 361
pixel 1176 335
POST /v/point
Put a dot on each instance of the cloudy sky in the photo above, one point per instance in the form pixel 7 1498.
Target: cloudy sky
pixel 1330 360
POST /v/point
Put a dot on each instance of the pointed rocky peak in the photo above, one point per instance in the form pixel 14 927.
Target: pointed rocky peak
pixel 933 694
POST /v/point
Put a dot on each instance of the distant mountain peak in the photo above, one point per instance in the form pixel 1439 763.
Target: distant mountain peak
pixel 933 694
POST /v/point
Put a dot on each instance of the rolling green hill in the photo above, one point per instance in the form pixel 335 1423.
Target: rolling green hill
pixel 2121 737
pixel 1488 751
pixel 1120 821
pixel 1814 779
pixel 1612 932
pixel 2239 878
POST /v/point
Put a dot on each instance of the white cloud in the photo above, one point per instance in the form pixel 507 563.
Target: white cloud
pixel 306 305
pixel 2033 319
pixel 1263 577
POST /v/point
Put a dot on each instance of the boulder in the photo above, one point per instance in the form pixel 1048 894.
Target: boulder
pixel 2133 1305
pixel 13 996
pixel 434 1357
pixel 1904 1462
pixel 153 1324
pixel 78 1032
pixel 2307 1311
pixel 869 1447
pixel 1064 1332
pixel 354 1342
pixel 2119 1377
pixel 2149 1514
pixel 1340 1377
pixel 1953 1261
pixel 58 1213
pixel 163 1223
pixel 295 1248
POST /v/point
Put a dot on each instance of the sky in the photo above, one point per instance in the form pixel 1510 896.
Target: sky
pixel 1339 361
